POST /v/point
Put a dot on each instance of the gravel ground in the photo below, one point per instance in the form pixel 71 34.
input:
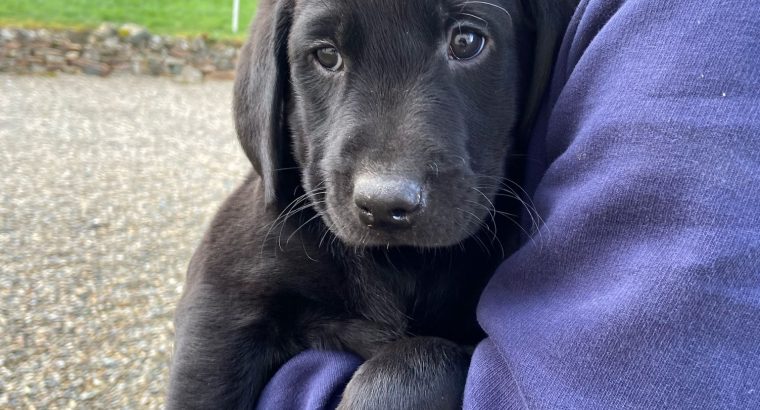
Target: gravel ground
pixel 106 186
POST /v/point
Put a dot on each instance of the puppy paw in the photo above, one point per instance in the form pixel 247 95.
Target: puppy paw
pixel 415 373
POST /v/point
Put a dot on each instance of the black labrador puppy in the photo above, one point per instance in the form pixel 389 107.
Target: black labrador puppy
pixel 379 131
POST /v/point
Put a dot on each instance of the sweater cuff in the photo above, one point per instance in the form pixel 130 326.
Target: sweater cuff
pixel 311 380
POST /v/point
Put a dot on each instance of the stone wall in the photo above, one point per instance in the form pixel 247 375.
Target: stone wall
pixel 110 49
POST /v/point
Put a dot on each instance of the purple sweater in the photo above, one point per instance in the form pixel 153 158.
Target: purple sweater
pixel 642 289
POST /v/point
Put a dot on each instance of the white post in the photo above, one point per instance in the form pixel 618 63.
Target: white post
pixel 235 12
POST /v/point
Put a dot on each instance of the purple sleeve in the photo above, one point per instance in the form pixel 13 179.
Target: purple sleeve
pixel 642 288
pixel 311 380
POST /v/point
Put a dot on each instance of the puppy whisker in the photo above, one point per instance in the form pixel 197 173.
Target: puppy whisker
pixel 494 231
pixel 283 215
pixel 287 169
pixel 475 17
pixel 485 3
pixel 324 235
pixel 514 220
pixel 509 186
pixel 475 237
pixel 504 190
pixel 299 228
pixel 486 197
pixel 289 211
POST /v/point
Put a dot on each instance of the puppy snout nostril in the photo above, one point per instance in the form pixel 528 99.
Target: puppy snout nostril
pixel 387 201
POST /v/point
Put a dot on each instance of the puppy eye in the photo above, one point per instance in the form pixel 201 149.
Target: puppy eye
pixel 329 58
pixel 465 44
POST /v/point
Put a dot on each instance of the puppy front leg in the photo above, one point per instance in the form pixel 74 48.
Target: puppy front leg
pixel 220 363
pixel 415 373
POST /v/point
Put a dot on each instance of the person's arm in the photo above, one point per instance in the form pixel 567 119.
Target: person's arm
pixel 642 289
pixel 312 380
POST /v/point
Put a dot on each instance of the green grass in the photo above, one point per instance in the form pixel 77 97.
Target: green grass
pixel 175 17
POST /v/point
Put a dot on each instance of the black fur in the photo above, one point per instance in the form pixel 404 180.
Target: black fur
pixel 287 264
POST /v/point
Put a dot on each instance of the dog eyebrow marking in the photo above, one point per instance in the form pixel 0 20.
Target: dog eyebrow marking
pixel 323 26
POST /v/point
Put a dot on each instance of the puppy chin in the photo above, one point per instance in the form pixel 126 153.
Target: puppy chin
pixel 428 234
pixel 374 238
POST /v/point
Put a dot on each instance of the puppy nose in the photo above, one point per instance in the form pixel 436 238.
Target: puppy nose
pixel 387 200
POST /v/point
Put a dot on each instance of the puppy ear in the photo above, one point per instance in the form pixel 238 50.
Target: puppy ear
pixel 260 87
pixel 548 19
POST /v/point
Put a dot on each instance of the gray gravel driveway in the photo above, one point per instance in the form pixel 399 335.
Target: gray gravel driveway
pixel 106 186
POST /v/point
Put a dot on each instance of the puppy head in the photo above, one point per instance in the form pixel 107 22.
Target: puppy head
pixel 400 114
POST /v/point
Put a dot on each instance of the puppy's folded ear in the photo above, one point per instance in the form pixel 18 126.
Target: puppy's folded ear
pixel 548 19
pixel 260 87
